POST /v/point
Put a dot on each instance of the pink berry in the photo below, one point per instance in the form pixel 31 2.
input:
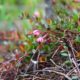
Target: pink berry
pixel 36 32
pixel 36 14
pixel 40 40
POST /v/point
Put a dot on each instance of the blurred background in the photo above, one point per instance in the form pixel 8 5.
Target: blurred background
pixel 11 10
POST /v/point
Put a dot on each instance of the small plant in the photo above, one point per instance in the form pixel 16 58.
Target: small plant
pixel 50 50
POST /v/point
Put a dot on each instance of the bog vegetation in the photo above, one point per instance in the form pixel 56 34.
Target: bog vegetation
pixel 40 40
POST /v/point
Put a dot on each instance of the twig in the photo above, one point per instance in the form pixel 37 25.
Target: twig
pixel 60 73
pixel 57 65
pixel 73 57
pixel 56 51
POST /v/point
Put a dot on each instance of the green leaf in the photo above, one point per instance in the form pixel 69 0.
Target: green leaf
pixel 74 77
pixel 68 63
pixel 27 59
pixel 78 28
pixel 75 15
pixel 77 39
pixel 64 54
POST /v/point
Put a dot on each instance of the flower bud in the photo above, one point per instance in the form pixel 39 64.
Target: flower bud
pixel 36 32
pixel 40 40
pixel 36 14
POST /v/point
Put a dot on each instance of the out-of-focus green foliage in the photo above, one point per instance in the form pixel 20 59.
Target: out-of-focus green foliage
pixel 11 10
